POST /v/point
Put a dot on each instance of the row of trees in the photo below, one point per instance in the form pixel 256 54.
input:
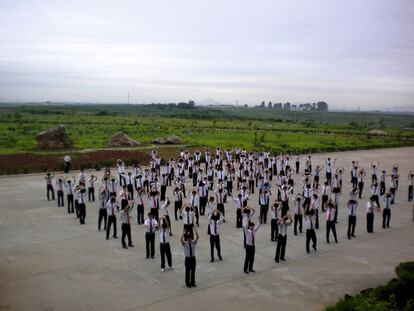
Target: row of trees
pixel 319 106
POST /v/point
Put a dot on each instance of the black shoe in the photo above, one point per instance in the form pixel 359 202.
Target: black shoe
pixel 131 245
pixel 252 271
pixel 115 237
pixel 327 241
pixel 152 257
pixel 124 247
pixel 189 286
pixel 282 259
pixel 245 271
pixel 146 257
pixel 194 285
pixel 171 234
pixel 353 235
pixel 276 260
pixel 314 247
pixel 212 260
pixel 220 258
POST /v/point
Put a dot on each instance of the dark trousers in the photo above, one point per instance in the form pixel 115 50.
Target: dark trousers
pixel 188 229
pixel 351 226
pixel 386 216
pixel 163 190
pixel 285 208
pixel 91 194
pixel 130 188
pixel 324 201
pixel 82 213
pixel 70 203
pixel 281 247
pixel 122 180
pixel 154 212
pixel 103 215
pixel 126 232
pixel 297 167
pixel 382 188
pixel 310 235
pixel 111 220
pixel 410 193
pixel 263 213
pixel 220 207
pixel 274 229
pixel 376 199
pixel 239 218
pixel 330 225
pixel 203 203
pixel 77 208
pixel 165 251
pixel 249 259
pixel 197 215
pixel 329 178
pixel 49 188
pixel 177 207
pixel 140 214
pixel 251 186
pixel 215 242
pixel 190 268
pixel 149 243
pixel 370 222
pixel 60 201
pixel 360 187
pixel 297 220
pixel 354 181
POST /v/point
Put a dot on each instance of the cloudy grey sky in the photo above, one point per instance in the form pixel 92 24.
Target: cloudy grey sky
pixel 349 53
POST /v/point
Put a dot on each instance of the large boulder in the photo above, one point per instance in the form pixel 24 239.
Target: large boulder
pixel 120 139
pixel 55 138
pixel 170 140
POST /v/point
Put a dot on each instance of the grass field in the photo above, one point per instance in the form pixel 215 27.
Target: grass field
pixel 90 126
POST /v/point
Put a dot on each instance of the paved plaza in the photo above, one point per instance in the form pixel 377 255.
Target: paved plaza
pixel 50 262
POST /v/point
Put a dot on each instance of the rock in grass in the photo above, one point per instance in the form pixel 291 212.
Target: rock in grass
pixel 120 139
pixel 170 140
pixel 54 138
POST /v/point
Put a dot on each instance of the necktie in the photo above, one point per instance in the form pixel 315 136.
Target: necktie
pixel 155 204
pixel 192 202
pixel 240 203
pixel 215 227
pixel 127 215
pixel 188 218
pixel 311 223
pixel 113 211
pixel 329 214
pixel 163 236
pixel 191 249
pixel 150 223
pixel 252 238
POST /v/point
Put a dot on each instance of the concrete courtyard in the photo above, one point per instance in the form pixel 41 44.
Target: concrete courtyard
pixel 49 262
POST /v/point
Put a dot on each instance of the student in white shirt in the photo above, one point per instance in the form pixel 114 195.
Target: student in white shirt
pixel 386 212
pixel 69 193
pixel 126 224
pixel 298 218
pixel 211 206
pixel 352 217
pixel 91 188
pixel 310 228
pixel 274 228
pixel 239 204
pixel 81 190
pixel 264 205
pixel 59 190
pixel 82 176
pixel 283 224
pixel 250 231
pixel 410 185
pixel 189 242
pixel 111 209
pixel 330 221
pixel 103 215
pixel 49 185
pixel 121 171
pixel 140 206
pixel 215 221
pixel 67 161
pixel 371 207
pixel 165 249
pixel 151 226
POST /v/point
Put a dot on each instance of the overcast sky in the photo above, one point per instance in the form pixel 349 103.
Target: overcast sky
pixel 349 53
